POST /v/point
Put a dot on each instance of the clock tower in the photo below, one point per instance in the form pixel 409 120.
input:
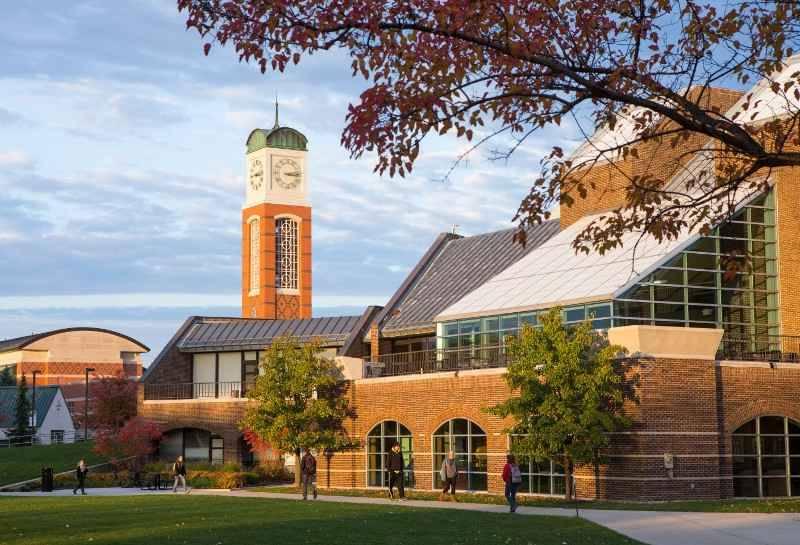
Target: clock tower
pixel 276 226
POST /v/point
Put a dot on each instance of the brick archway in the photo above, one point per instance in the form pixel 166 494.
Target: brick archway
pixel 761 407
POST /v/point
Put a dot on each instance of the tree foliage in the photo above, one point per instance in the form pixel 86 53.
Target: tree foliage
pixel 297 402
pixel 113 402
pixel 22 412
pixel 570 394
pixel 7 377
pixel 137 437
pixel 483 69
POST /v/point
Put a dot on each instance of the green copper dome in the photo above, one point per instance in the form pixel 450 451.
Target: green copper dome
pixel 277 137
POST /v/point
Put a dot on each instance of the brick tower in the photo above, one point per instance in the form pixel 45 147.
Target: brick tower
pixel 276 226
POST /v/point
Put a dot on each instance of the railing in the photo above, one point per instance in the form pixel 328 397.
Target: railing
pixel 441 359
pixel 194 390
pixel 771 348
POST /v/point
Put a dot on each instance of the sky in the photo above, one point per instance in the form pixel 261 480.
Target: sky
pixel 122 174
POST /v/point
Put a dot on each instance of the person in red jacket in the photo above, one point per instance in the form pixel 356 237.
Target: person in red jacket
pixel 512 476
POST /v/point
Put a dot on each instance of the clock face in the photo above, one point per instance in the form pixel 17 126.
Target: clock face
pixel 256 174
pixel 286 173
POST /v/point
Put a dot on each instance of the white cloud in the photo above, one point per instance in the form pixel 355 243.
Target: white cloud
pixel 15 159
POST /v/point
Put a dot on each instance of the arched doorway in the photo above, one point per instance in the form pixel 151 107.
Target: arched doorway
pixel 468 442
pixel 380 440
pixel 194 444
pixel 766 458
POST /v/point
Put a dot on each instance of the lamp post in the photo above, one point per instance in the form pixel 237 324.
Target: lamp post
pixel 86 404
pixel 33 409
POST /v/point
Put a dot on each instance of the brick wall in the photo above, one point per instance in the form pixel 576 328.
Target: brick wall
pixel 605 183
pixel 219 417
pixel 787 204
pixel 266 303
pixel 56 372
pixel 687 408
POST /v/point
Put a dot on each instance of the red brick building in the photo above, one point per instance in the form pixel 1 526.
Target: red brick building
pixel 714 358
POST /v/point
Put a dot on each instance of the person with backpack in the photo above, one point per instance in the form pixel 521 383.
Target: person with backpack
pixel 449 474
pixel 179 475
pixel 80 473
pixel 308 474
pixel 396 466
pixel 512 476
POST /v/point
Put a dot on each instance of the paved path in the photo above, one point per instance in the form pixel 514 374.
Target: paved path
pixel 652 527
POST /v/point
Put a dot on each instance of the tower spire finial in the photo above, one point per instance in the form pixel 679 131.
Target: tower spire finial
pixel 276 112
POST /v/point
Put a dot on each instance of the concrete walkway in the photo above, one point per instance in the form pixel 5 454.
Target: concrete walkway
pixel 651 527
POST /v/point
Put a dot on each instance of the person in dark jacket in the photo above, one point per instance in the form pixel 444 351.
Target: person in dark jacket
pixel 396 466
pixel 179 474
pixel 80 473
pixel 308 474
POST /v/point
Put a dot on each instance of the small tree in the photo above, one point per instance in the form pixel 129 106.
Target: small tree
pixel 22 413
pixel 297 403
pixel 113 402
pixel 135 438
pixel 7 377
pixel 570 394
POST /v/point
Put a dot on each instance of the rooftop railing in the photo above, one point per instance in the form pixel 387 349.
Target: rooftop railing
pixel 769 348
pixel 194 390
pixel 441 359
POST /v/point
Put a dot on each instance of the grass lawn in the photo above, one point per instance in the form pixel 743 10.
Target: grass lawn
pixel 205 520
pixel 22 463
pixel 706 506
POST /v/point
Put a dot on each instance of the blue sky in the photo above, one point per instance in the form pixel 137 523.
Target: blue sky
pixel 122 174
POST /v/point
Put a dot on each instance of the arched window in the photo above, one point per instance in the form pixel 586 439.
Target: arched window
pixel 255 245
pixel 468 442
pixel 379 442
pixel 766 458
pixel 286 253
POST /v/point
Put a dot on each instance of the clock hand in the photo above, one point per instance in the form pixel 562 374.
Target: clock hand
pixel 294 174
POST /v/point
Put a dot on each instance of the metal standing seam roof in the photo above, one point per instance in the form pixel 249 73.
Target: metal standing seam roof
pixel 212 334
pixel 8 402
pixel 451 269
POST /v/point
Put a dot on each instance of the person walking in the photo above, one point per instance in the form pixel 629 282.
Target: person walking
pixel 396 466
pixel 80 473
pixel 308 474
pixel 449 474
pixel 179 474
pixel 512 476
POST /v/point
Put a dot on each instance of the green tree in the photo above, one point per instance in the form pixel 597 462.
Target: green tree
pixel 297 400
pixel 22 413
pixel 570 393
pixel 7 377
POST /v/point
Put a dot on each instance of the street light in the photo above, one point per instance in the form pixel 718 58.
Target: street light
pixel 86 404
pixel 33 410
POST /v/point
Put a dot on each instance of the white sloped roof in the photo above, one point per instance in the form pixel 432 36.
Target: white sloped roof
pixel 554 274
pixel 765 103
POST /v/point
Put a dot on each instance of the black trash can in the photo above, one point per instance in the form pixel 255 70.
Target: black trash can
pixel 47 479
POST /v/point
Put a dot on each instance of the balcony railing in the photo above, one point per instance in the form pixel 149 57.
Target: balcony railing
pixel 770 348
pixel 194 390
pixel 442 359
